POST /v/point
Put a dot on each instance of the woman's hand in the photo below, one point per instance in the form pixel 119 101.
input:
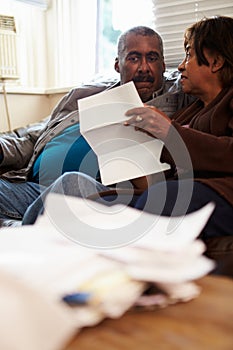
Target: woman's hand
pixel 150 120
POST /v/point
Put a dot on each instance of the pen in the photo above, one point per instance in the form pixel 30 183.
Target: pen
pixel 79 298
pixel 97 289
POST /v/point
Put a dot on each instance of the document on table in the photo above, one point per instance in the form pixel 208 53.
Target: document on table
pixel 123 153
pixel 42 265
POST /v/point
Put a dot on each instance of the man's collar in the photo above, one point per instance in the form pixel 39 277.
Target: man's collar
pixel 158 92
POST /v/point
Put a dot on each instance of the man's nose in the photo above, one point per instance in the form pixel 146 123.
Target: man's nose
pixel 143 66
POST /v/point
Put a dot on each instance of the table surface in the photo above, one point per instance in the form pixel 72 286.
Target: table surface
pixel 201 324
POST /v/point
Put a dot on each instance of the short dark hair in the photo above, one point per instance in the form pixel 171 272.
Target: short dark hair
pixel 139 30
pixel 216 35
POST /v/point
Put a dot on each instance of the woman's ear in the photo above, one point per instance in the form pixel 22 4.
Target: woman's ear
pixel 116 65
pixel 217 63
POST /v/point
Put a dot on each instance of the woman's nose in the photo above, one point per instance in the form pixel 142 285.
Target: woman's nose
pixel 181 66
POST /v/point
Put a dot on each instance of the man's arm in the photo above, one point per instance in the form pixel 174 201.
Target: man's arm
pixel 15 152
pixel 69 103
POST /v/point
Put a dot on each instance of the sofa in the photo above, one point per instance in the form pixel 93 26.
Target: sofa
pixel 219 249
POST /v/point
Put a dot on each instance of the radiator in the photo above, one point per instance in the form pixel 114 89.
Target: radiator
pixel 8 48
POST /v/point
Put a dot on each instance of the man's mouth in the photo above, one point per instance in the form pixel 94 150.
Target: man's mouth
pixel 143 84
pixel 141 79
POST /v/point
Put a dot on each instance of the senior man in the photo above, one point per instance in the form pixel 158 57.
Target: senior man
pixel 61 148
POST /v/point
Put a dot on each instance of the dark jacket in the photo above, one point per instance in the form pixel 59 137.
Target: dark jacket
pixel 207 135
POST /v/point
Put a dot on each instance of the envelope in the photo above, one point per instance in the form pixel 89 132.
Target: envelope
pixel 122 152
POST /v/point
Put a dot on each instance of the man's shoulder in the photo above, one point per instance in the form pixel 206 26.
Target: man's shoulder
pixel 88 88
pixel 171 97
pixel 85 89
pixel 102 80
pixel 97 84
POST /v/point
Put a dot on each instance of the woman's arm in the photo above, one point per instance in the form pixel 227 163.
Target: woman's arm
pixel 207 152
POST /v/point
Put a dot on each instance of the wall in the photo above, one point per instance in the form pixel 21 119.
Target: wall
pixel 25 108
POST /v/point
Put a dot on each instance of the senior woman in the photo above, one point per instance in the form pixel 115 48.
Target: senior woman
pixel 202 131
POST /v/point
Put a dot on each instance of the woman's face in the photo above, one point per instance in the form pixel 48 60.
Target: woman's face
pixel 195 79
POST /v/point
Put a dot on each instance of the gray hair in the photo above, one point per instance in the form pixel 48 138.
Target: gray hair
pixel 139 30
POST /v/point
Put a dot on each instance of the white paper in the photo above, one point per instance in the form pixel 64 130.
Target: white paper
pixel 123 153
pixel 30 320
pixel 47 262
pixel 157 254
pixel 42 260
pixel 95 225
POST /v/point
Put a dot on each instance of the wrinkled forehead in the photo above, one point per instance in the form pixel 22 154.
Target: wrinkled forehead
pixel 141 43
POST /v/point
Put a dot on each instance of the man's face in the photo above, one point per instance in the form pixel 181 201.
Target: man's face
pixel 142 63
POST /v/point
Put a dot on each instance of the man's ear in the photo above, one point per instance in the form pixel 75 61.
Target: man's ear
pixel 116 65
pixel 164 67
pixel 217 63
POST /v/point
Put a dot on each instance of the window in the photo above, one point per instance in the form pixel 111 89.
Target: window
pixel 31 43
pixel 114 17
pixel 171 17
pixel 84 36
pixel 64 42
pixel 72 40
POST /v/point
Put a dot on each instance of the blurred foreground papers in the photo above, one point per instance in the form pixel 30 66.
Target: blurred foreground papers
pixel 134 251
pixel 122 152
pixel 95 225
pixel 30 320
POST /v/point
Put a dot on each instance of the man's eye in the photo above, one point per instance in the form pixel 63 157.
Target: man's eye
pixel 152 58
pixel 133 58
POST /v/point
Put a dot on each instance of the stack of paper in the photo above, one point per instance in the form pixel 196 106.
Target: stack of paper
pixel 169 270
pixel 104 260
